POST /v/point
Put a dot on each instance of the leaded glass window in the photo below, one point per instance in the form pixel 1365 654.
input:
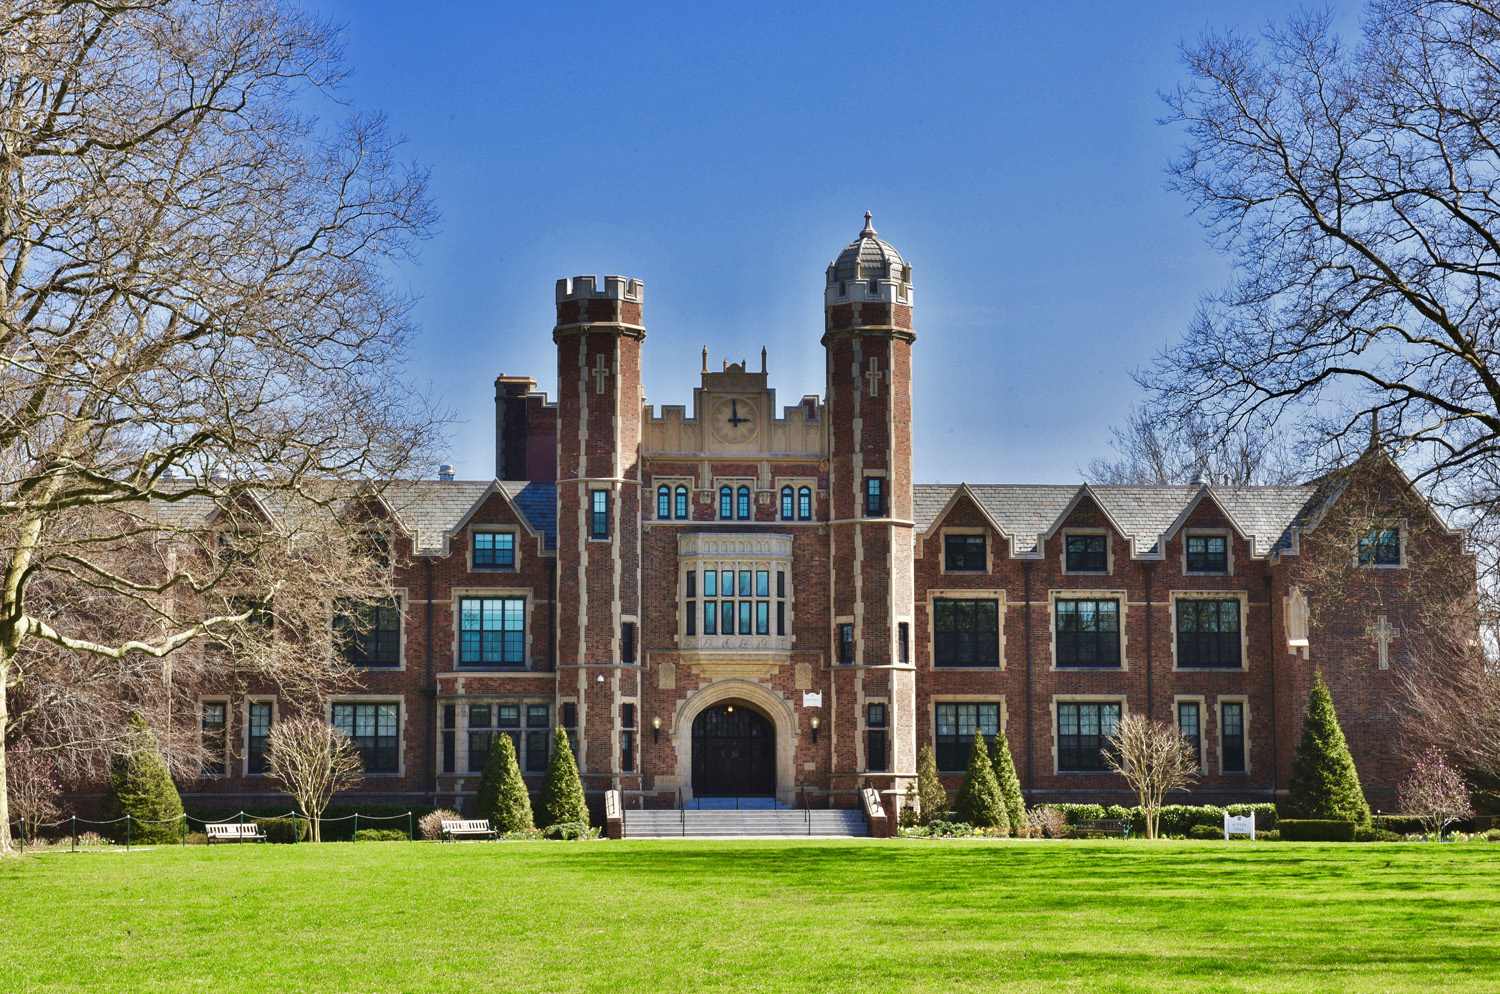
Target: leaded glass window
pixel 1083 729
pixel 1088 632
pixel 375 731
pixel 492 631
pixel 494 550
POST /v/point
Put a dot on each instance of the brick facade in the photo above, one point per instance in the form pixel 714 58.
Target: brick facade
pixel 881 570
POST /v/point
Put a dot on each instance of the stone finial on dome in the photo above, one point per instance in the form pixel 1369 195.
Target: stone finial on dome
pixel 869 231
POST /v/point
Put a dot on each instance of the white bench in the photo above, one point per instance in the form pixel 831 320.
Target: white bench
pixel 223 831
pixel 479 826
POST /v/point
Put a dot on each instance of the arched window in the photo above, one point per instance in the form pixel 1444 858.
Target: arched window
pixel 663 503
pixel 804 504
pixel 682 503
pixel 744 504
pixel 726 503
pixel 786 504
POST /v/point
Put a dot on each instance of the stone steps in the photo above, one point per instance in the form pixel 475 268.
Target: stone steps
pixel 669 824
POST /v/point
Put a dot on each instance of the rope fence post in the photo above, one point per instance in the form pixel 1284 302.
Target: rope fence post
pixel 184 828
pixel 75 834
pixel 356 827
pixel 127 831
pixel 410 835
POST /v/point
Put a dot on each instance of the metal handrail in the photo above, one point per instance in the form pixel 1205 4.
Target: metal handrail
pixel 807 809
pixel 682 811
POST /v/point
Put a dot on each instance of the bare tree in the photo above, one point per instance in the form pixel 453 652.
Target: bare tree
pixel 1453 703
pixel 1154 758
pixel 1152 448
pixel 312 760
pixel 1436 793
pixel 32 787
pixel 1355 188
pixel 196 328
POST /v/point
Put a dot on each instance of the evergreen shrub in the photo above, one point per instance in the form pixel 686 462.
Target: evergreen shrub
pixel 562 800
pixel 1205 832
pixel 285 830
pixel 979 802
pixel 140 786
pixel 1010 784
pixel 569 831
pixel 1317 830
pixel 932 795
pixel 1324 785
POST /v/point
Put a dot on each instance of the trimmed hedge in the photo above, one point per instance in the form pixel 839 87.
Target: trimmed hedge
pixel 380 835
pixel 1176 819
pixel 1317 830
pixel 284 830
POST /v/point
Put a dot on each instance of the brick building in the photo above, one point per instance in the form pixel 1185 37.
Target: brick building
pixel 736 598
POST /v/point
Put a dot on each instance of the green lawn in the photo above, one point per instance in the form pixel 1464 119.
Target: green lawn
pixel 755 916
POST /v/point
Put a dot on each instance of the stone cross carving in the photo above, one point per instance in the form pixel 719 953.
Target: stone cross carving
pixel 600 371
pixel 1382 632
pixel 874 376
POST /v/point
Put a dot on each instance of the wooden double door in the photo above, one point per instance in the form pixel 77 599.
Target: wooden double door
pixel 734 752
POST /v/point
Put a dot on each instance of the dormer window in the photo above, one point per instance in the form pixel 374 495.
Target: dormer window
pixel 1207 554
pixel 1087 553
pixel 494 550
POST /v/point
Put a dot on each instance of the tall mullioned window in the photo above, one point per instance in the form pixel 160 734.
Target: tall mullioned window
pixel 742 504
pixel 376 733
pixel 370 631
pixel 1189 723
pixel 681 500
pixel 663 503
pixel 804 504
pixel 788 504
pixel 876 720
pixel 874 496
pixel 1083 730
pixel 735 599
pixel 726 503
pixel 965 632
pixel 1088 633
pixel 492 631
pixel 956 725
pixel 1208 634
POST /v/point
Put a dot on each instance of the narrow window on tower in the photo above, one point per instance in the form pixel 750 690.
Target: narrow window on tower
pixel 570 723
pixel 450 737
pixel 903 642
pixel 663 503
pixel 726 503
pixel 875 749
pixel 682 503
pixel 742 502
pixel 846 645
pixel 627 643
pixel 627 738
pixel 599 514
pixel 780 602
pixel 690 602
pixel 804 504
pixel 874 496
pixel 786 504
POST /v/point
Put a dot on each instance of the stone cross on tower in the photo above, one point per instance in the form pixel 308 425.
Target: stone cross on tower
pixel 600 371
pixel 1382 632
pixel 874 376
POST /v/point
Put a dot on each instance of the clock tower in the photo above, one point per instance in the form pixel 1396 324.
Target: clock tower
pixel 868 340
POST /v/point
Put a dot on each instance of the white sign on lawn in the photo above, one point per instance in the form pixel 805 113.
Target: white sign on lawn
pixel 1238 825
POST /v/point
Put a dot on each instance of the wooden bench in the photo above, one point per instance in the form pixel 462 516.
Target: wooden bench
pixel 1087 827
pixel 481 826
pixel 223 831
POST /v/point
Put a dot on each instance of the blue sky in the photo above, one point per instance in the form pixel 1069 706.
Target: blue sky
pixel 724 154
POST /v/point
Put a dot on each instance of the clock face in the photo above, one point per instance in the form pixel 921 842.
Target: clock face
pixel 733 420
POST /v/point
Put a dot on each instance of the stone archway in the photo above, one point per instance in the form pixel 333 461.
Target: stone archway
pixel 776 710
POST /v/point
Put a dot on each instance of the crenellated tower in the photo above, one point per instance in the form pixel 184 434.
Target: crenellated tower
pixel 598 334
pixel 868 340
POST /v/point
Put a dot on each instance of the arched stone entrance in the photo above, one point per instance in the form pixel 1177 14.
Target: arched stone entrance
pixel 734 752
pixel 768 705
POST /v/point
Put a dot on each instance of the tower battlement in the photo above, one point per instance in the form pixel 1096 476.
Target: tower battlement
pixel 586 288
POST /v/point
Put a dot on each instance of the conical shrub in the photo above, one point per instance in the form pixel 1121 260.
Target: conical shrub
pixel 932 796
pixel 1324 782
pixel 502 792
pixel 562 793
pixel 979 802
pixel 140 786
pixel 1010 784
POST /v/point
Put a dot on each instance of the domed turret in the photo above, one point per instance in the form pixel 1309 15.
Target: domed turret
pixel 869 268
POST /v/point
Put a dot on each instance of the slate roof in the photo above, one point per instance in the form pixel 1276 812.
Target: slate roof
pixel 1144 514
pixel 432 509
